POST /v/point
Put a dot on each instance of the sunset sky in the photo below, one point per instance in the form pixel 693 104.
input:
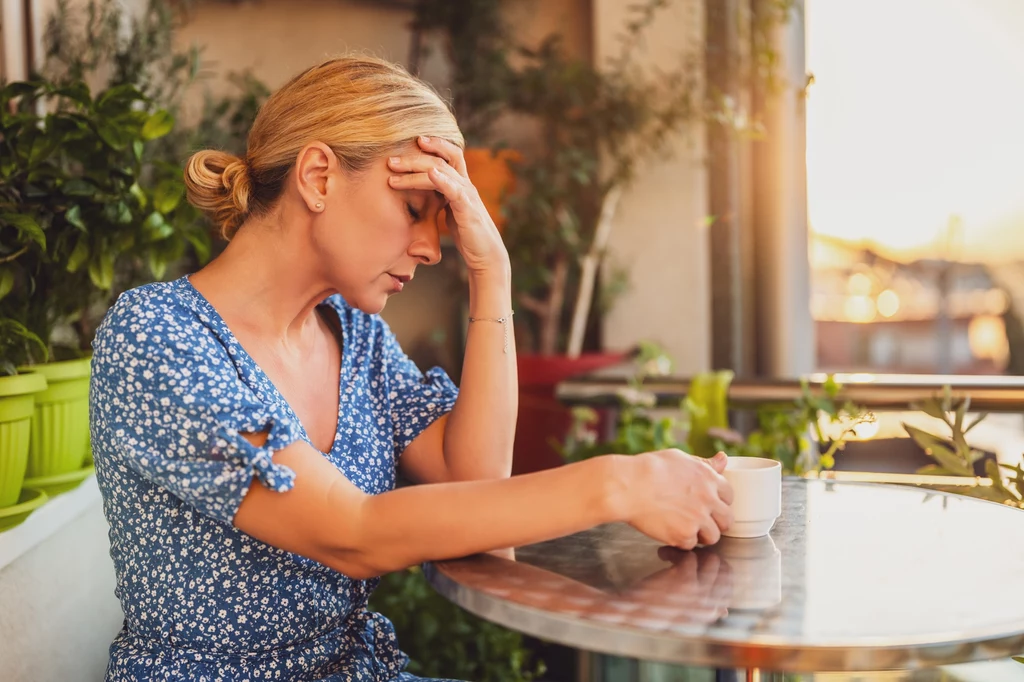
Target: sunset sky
pixel 917 113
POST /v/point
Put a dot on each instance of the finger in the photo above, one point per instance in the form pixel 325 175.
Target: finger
pixel 709 563
pixel 442 179
pixel 671 554
pixel 719 461
pixel 415 163
pixel 452 185
pixel 723 518
pixel 687 542
pixel 725 491
pixel 709 533
pixel 721 513
pixel 448 151
pixel 413 181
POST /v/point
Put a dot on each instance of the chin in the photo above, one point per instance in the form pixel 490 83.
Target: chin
pixel 371 306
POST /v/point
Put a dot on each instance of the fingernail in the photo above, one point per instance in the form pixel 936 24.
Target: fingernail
pixel 394 179
pixel 424 138
pixel 395 160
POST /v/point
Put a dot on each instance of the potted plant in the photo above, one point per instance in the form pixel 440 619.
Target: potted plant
pixel 596 124
pixel 443 640
pixel 476 44
pixel 77 205
pixel 954 456
pixel 785 432
pixel 17 405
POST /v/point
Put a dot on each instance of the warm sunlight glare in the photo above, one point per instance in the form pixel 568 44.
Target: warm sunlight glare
pixel 916 115
pixel 888 303
pixel 987 337
pixel 859 308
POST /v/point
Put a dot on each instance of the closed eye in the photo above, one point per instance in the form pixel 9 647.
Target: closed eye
pixel 413 213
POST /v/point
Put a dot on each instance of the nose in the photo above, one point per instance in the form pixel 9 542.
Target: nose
pixel 426 246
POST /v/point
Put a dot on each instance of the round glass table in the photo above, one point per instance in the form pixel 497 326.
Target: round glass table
pixel 853 577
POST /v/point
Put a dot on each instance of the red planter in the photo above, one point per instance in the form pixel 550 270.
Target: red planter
pixel 541 416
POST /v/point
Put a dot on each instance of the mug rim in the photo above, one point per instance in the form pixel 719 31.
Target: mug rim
pixel 757 464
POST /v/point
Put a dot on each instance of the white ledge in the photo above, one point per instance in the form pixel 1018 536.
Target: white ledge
pixel 48 519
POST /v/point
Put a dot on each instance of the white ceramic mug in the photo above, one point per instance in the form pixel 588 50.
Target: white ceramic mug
pixel 756 566
pixel 757 495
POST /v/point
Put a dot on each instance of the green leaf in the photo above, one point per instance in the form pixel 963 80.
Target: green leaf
pixel 77 91
pixel 158 125
pixel 139 194
pixel 101 271
pixel 27 226
pixel 934 470
pixel 79 255
pixel 123 213
pixel 74 216
pixel 138 147
pixel 201 244
pixel 958 425
pixel 986 493
pixel 167 196
pixel 115 136
pixel 157 265
pixel 123 94
pixel 18 89
pixel 933 408
pixel 937 448
pixel 153 221
pixel 77 187
pixel 977 421
pixel 992 469
pixel 6 281
pixel 157 226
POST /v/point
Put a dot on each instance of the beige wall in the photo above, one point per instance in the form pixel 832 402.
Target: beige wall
pixel 659 231
pixel 278 38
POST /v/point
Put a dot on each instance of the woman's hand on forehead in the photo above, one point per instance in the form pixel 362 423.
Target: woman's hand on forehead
pixel 440 166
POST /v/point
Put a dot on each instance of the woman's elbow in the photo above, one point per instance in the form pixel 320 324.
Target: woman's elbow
pixel 362 565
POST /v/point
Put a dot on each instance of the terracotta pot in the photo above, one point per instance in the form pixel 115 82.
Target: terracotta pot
pixel 541 416
pixel 489 171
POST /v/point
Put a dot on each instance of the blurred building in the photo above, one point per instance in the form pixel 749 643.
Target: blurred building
pixel 872 313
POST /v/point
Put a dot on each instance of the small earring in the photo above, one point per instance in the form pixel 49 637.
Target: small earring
pixel 319 205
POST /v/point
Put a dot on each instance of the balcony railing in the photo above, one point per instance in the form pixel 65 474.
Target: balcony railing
pixel 872 391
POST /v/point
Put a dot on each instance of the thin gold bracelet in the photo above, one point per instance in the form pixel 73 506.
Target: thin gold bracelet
pixel 504 324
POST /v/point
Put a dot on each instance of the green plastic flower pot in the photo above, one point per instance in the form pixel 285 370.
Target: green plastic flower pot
pixel 60 426
pixel 29 500
pixel 17 403
pixel 61 483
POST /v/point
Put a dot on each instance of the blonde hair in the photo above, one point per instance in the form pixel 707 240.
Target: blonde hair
pixel 361 107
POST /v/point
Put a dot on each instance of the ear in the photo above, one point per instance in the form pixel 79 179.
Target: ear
pixel 314 166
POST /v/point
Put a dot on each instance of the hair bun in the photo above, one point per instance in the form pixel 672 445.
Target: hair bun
pixel 218 184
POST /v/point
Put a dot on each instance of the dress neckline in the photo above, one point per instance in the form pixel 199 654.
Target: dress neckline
pixel 228 336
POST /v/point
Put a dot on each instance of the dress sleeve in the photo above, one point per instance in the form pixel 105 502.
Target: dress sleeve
pixel 167 402
pixel 416 399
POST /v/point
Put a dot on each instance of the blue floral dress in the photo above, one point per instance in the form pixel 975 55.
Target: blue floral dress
pixel 171 391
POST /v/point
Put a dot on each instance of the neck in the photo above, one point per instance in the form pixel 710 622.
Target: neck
pixel 264 283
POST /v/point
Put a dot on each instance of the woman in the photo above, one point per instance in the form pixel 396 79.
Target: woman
pixel 248 420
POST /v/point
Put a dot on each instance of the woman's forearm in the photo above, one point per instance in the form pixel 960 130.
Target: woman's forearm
pixel 411 525
pixel 481 428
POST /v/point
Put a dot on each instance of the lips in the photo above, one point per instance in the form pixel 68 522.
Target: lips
pixel 399 281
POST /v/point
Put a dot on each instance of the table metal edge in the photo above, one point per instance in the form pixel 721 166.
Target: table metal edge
pixel 758 652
